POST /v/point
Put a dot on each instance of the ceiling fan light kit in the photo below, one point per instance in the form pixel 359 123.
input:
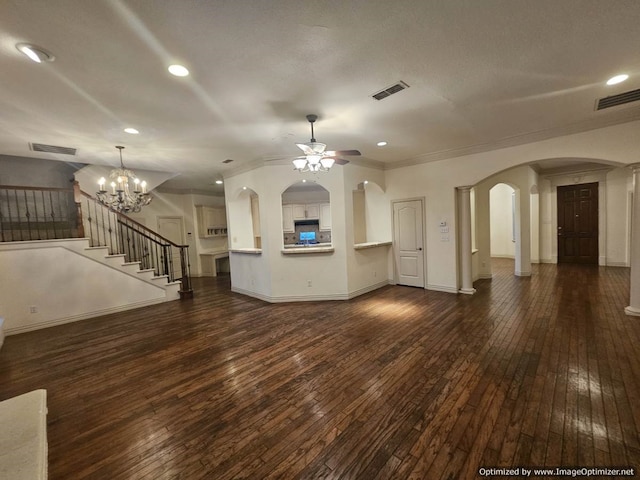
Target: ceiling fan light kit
pixel 317 158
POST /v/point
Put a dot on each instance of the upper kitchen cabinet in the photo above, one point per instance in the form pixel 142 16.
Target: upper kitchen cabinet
pixel 325 216
pixel 212 221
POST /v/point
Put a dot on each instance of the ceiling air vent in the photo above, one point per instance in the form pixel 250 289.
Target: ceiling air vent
pixel 228 160
pixel 40 147
pixel 620 99
pixel 398 87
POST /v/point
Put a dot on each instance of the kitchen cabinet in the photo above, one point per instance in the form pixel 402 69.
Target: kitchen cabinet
pixel 325 216
pixel 312 211
pixel 299 212
pixel 287 219
pixel 212 221
pixel 309 211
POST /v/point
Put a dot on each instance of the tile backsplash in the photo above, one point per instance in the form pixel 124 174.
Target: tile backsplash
pixel 322 236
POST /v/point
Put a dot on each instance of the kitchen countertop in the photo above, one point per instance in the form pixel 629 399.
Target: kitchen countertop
pixel 302 249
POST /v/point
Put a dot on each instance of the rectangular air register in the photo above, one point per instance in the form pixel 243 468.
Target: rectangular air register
pixel 41 147
pixel 398 87
pixel 620 99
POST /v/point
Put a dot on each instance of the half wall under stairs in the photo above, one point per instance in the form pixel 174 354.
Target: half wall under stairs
pixel 50 282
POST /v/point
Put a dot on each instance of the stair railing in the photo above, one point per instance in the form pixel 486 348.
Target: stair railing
pixel 38 213
pixel 122 235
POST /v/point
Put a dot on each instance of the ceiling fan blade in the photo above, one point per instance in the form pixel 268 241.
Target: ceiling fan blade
pixel 338 160
pixel 333 153
pixel 306 149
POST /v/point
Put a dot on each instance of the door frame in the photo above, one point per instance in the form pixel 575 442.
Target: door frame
pixel 424 238
pixel 597 213
pixel 596 176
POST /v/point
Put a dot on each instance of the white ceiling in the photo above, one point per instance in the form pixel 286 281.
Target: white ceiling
pixel 482 74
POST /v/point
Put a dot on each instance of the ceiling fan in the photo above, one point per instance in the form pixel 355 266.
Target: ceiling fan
pixel 317 158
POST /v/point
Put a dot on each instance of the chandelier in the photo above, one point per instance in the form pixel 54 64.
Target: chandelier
pixel 128 194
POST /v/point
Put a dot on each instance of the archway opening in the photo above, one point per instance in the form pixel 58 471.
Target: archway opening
pixel 306 215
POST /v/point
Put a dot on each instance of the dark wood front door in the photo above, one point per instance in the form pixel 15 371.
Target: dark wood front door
pixel 578 223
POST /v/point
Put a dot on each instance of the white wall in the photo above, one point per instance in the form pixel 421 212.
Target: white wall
pixel 64 286
pixel 35 172
pixel 239 208
pixel 501 223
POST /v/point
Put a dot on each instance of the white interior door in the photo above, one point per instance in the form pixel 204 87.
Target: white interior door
pixel 408 242
pixel 172 228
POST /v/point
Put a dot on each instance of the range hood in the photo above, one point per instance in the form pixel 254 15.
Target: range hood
pixel 306 222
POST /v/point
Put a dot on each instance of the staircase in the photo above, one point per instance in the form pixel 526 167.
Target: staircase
pixel 112 262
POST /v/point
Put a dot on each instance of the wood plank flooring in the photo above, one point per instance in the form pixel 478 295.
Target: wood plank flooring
pixel 401 383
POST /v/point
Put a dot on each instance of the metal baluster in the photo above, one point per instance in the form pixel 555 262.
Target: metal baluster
pixel 111 238
pixel 53 215
pixel 35 208
pixel 27 213
pixel 158 259
pixel 2 223
pixel 15 193
pixel 68 210
pixel 165 264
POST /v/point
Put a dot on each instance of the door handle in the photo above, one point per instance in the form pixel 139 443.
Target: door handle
pixel 419 249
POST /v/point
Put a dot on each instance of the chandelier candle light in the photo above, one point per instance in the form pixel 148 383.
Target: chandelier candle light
pixel 122 199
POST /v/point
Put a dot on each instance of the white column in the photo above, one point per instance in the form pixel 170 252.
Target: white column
pixel 464 214
pixel 634 288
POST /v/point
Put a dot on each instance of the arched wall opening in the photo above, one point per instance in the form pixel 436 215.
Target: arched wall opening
pixel 244 206
pixel 306 214
pixel 536 185
pixel 502 221
pixel 371 214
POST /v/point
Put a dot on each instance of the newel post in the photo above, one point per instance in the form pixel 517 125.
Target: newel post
pixel 77 197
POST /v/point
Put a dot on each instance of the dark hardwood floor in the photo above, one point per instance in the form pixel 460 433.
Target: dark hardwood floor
pixel 401 383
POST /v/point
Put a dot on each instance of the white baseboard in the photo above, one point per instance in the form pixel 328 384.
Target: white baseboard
pixel 311 298
pixel 484 276
pixel 81 316
pixel 526 273
pixel 442 288
pixel 370 288
pixel 510 257
pixel 635 312
pixel 618 264
pixel 547 260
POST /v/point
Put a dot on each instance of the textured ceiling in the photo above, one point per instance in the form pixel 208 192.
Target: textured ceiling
pixel 482 74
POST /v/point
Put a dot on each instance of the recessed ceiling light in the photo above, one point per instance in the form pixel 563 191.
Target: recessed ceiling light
pixel 381 144
pixel 244 188
pixel 219 182
pixel 366 182
pixel 178 70
pixel 304 180
pixel 617 79
pixel 35 53
pixel 132 131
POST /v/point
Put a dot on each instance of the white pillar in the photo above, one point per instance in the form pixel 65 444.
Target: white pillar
pixel 464 214
pixel 634 288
